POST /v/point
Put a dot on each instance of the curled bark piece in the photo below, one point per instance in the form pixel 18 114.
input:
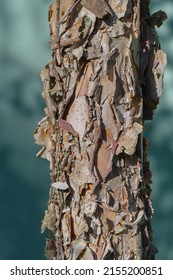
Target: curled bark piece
pixel 60 185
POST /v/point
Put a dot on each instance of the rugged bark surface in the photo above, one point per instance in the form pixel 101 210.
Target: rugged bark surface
pixel 103 81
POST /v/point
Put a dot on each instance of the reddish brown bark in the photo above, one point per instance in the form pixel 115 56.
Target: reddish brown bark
pixel 103 81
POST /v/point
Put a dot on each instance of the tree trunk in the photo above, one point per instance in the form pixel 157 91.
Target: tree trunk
pixel 103 81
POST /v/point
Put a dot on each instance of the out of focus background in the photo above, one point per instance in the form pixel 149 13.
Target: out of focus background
pixel 24 179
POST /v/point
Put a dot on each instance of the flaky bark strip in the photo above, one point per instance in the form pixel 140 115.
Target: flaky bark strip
pixel 103 81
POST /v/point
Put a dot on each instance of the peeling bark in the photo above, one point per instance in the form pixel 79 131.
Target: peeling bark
pixel 103 81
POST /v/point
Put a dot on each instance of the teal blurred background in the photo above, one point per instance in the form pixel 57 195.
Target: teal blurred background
pixel 24 179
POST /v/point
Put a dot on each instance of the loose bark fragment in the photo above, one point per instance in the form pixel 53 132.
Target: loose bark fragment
pixel 60 185
pixel 104 79
pixel 99 7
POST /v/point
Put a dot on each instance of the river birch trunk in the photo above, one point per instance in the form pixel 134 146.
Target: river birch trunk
pixel 103 81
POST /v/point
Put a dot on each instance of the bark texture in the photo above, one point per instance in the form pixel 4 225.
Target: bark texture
pixel 103 81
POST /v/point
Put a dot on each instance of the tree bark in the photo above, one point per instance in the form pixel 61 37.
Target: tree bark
pixel 103 81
